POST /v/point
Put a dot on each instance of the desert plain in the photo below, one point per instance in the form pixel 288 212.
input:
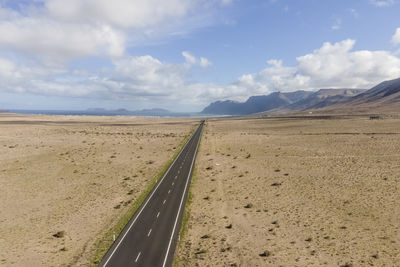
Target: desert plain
pixel 65 180
pixel 266 191
pixel 295 192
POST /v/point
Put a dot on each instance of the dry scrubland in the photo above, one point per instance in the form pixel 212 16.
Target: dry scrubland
pixel 74 176
pixel 295 192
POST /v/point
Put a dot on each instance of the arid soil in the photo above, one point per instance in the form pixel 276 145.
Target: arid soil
pixel 295 192
pixel 65 179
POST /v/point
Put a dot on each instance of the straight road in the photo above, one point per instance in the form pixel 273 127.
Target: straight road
pixel 150 237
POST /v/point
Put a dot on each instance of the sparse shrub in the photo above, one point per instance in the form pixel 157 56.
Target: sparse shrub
pixel 265 254
pixel 59 234
pixel 127 202
pixel 202 251
pixel 276 184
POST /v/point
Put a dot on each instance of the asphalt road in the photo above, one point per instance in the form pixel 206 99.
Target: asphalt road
pixel 150 237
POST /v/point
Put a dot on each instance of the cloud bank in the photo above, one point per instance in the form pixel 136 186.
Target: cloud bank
pixel 40 40
pixel 58 30
pixel 396 37
pixel 382 3
pixel 333 65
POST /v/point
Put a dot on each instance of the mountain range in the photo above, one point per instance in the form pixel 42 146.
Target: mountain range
pixel 385 97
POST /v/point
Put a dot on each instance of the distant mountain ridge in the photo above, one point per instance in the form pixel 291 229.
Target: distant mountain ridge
pixel 320 99
pixel 122 111
pixel 382 97
pixel 255 104
pixel 280 102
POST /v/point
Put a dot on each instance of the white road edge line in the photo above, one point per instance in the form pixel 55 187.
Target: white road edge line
pixel 137 258
pixel 180 206
pixel 145 204
pixel 149 232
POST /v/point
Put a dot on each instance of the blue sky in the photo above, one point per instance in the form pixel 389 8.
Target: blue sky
pixel 182 55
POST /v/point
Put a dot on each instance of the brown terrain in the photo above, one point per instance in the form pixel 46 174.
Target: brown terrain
pixel 64 180
pixel 295 192
pixel 305 191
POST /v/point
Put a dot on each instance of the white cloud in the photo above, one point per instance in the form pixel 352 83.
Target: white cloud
pixel 142 78
pixel 338 66
pixel 145 78
pixel 59 30
pixel 119 13
pixel 190 59
pixel 204 62
pixel 382 3
pixel 60 41
pixel 37 79
pixel 226 2
pixel 331 66
pixel 396 37
pixel 7 67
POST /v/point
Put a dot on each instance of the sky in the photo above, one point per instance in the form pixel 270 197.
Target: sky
pixel 182 55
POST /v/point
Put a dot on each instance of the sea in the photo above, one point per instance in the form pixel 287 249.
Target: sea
pixel 112 113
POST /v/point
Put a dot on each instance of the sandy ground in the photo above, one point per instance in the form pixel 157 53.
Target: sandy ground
pixel 76 175
pixel 293 192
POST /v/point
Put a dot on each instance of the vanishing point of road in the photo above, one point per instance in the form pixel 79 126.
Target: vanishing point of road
pixel 151 235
